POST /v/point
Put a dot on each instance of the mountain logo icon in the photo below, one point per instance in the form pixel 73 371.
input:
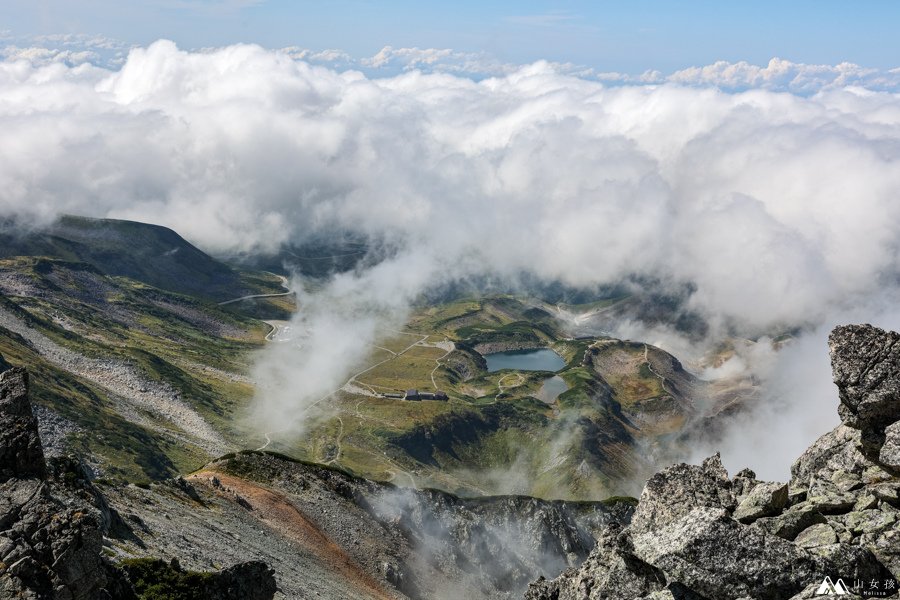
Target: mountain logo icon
pixel 832 588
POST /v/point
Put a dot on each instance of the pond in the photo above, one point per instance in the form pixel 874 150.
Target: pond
pixel 542 359
pixel 551 389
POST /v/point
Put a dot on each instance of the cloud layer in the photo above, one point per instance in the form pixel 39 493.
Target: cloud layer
pixel 780 209
pixel 778 75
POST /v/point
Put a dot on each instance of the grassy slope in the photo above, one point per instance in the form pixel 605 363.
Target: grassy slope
pixel 129 450
pixel 188 343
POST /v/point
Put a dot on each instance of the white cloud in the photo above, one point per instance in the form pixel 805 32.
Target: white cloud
pixel 44 56
pixel 797 187
pixel 69 48
pixel 786 76
pixel 437 60
pixel 324 56
pixel 777 75
pixel 779 208
pixel 81 40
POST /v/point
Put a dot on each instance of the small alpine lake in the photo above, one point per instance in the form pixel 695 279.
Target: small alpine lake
pixel 542 359
pixel 551 389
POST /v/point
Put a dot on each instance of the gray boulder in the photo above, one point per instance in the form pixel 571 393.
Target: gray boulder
pixel 674 492
pixel 50 547
pixel 836 451
pixel 743 483
pixel 865 361
pixel 821 534
pixel 764 500
pixel 52 522
pixel 708 552
pixel 792 521
pixel 609 572
pixel 889 454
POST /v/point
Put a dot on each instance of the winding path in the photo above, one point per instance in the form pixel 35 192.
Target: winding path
pixel 284 281
pixel 340 435
pixel 437 362
pixel 662 380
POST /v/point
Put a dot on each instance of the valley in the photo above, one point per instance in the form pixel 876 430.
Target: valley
pixel 159 378
pixel 619 406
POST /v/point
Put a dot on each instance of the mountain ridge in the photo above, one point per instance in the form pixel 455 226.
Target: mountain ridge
pixel 152 254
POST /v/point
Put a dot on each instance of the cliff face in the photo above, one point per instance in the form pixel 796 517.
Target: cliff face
pixel 48 547
pixel 698 534
pixel 53 522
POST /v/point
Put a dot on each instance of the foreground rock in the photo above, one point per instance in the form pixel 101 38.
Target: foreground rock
pixel 866 364
pixel 696 534
pixel 53 522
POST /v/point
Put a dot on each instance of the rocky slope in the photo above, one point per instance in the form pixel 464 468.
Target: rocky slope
pixel 698 534
pixel 328 534
pixel 53 522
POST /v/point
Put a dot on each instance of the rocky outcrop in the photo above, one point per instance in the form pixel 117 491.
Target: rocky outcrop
pixel 866 365
pixel 21 455
pixel 48 547
pixel 698 534
pixel 53 521
pixel 507 346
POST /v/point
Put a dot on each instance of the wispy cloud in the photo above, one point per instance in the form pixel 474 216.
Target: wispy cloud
pixel 437 60
pixel 80 40
pixel 777 75
pixel 209 6
pixel 67 48
pixel 550 19
pixel 329 56
pixel 42 56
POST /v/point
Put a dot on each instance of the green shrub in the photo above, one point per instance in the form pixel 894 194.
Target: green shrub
pixel 155 579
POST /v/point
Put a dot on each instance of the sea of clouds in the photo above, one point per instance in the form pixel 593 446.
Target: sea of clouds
pixel 780 209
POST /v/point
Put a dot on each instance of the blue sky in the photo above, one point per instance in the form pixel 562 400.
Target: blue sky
pixel 628 37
